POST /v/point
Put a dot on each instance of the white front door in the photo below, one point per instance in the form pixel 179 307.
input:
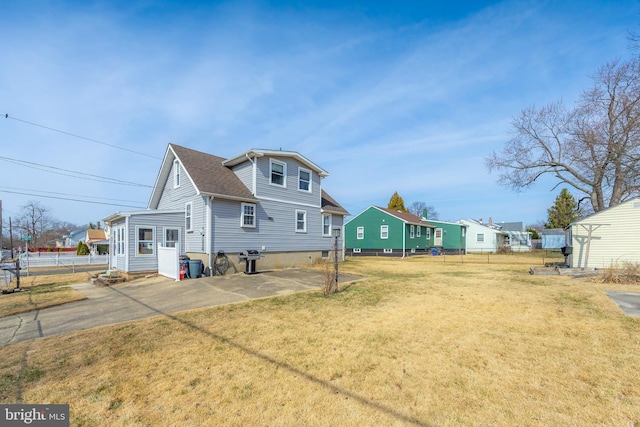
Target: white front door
pixel 437 237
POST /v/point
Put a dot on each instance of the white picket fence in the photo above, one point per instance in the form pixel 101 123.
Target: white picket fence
pixel 60 259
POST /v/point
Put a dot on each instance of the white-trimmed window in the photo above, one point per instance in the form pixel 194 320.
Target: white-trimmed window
pixel 248 215
pixel 278 173
pixel 388 251
pixel 418 231
pixel 360 233
pixel 412 231
pixel 384 231
pixel 145 240
pixel 326 225
pixel 119 240
pixel 301 221
pixel 171 237
pixel 357 250
pixel 480 237
pixel 304 180
pixel 188 216
pixel 176 174
pixel 427 233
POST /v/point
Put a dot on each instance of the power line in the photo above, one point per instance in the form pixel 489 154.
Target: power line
pixel 65 194
pixel 73 200
pixel 6 116
pixel 93 177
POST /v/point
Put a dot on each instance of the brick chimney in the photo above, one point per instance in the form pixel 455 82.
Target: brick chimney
pixel 490 223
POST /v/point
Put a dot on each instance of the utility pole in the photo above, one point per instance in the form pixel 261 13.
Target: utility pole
pixel 11 237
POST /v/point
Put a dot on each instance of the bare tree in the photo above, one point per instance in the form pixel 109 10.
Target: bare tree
pixel 593 147
pixel 420 208
pixel 34 222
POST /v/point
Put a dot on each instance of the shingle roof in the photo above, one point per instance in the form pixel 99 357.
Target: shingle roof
pixel 330 205
pixel 209 175
pixel 406 216
pixel 95 235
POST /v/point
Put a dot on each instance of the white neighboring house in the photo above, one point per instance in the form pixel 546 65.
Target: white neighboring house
pixel 94 238
pixel 72 239
pixel 483 238
pixel 608 238
pixel 518 238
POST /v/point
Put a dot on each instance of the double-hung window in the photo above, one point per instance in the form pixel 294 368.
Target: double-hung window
pixel 480 237
pixel 418 231
pixel 427 233
pixel 326 225
pixel 412 231
pixel 278 172
pixel 301 221
pixel 384 231
pixel 171 237
pixel 119 240
pixel 145 240
pixel 176 174
pixel 188 216
pixel 304 180
pixel 360 233
pixel 248 215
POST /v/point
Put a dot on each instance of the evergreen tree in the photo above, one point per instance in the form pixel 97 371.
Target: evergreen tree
pixel 563 212
pixel 82 249
pixel 396 203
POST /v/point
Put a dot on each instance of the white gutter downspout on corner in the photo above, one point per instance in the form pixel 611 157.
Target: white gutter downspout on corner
pixel 254 174
pixel 208 230
pixel 404 234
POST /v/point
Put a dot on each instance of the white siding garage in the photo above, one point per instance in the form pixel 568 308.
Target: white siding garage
pixel 609 238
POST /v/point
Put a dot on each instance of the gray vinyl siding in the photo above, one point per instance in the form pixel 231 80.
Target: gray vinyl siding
pixel 290 193
pixel 175 198
pixel 275 228
pixel 157 221
pixel 244 171
pixel 199 221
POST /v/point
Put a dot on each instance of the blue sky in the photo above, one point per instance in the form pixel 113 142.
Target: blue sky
pixel 386 96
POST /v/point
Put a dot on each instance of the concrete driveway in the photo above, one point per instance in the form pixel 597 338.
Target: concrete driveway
pixel 629 302
pixel 152 297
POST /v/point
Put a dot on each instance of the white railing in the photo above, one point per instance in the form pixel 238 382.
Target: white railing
pixel 60 259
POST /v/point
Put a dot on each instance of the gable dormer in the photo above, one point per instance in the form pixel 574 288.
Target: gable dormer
pixel 279 174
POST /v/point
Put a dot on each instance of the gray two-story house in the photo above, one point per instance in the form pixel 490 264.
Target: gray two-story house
pixel 269 200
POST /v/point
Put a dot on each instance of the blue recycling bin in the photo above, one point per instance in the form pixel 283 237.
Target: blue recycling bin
pixel 195 268
pixel 434 252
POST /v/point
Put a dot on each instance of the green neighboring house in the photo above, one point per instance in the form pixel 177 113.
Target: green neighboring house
pixel 449 237
pixel 383 231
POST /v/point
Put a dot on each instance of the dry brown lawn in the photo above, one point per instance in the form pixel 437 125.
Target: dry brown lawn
pixel 421 341
pixel 43 291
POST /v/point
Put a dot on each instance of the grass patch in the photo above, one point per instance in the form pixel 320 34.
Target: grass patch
pixel 419 342
pixel 42 292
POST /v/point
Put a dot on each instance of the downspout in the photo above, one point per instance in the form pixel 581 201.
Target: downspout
pixel 126 244
pixel 254 174
pixel 343 240
pixel 208 232
pixel 404 234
